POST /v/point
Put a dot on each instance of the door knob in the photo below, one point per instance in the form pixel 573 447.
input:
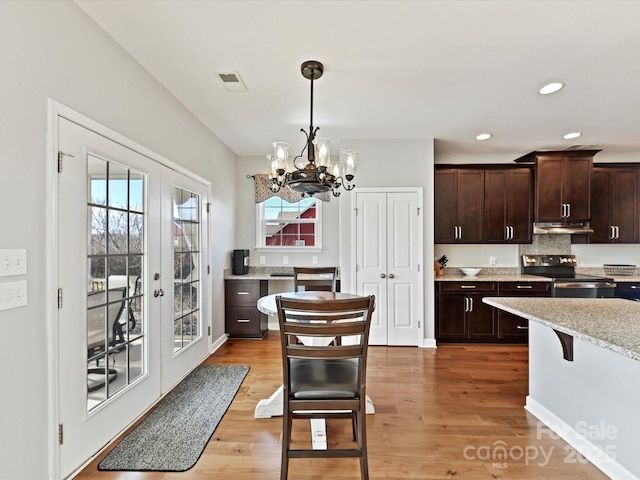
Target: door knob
pixel 382 275
pixel 391 275
pixel 158 293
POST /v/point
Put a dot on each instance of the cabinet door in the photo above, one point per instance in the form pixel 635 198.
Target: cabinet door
pixel 471 205
pixel 452 323
pixel 445 205
pixel 495 205
pixel 576 187
pixel 481 320
pixel 549 189
pixel 520 204
pixel 624 203
pixel 508 208
pixel 601 206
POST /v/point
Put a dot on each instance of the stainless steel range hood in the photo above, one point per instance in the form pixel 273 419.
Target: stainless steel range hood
pixel 541 228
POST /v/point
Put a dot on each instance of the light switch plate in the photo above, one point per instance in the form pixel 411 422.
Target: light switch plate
pixel 13 262
pixel 13 294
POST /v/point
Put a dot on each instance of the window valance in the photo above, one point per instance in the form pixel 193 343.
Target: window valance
pixel 264 192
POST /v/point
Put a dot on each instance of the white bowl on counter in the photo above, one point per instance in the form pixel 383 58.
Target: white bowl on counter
pixel 470 272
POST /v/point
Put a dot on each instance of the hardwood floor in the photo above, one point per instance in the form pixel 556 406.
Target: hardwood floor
pixel 440 414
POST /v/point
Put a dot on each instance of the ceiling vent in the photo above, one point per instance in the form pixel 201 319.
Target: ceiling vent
pixel 232 82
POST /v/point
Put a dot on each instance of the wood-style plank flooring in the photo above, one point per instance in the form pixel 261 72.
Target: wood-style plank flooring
pixel 444 413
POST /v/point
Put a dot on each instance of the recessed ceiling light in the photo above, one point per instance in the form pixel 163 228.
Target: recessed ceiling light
pixel 483 136
pixel 551 88
pixel 571 135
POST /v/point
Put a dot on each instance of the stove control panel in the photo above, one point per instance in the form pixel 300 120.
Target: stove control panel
pixel 549 261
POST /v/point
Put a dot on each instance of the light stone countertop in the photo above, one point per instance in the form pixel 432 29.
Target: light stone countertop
pixel 496 277
pixel 610 323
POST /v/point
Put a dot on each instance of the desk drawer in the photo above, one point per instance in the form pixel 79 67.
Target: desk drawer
pixel 245 322
pixel 244 292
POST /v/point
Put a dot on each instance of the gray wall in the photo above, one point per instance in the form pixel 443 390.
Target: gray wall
pixel 53 50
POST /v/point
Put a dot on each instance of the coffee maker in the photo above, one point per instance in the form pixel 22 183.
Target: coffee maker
pixel 240 262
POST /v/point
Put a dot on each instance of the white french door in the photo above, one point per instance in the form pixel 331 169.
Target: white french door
pixel 131 256
pixel 388 248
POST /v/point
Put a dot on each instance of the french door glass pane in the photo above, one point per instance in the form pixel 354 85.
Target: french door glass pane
pixel 115 327
pixel 186 259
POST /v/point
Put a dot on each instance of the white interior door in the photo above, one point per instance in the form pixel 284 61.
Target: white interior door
pixel 133 250
pixel 388 259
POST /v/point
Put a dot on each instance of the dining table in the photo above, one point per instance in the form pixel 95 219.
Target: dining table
pixel 273 406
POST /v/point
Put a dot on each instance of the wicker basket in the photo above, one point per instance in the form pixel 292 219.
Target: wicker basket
pixel 611 269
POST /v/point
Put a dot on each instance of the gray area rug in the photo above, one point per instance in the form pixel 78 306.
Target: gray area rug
pixel 174 435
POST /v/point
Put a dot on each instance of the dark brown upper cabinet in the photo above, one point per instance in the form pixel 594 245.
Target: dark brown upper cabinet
pixel 614 205
pixel 508 205
pixel 563 185
pixel 459 205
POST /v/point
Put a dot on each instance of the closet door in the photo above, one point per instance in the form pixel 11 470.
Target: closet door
pixel 388 259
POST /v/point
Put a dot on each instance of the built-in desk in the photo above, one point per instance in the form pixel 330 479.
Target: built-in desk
pixel 242 318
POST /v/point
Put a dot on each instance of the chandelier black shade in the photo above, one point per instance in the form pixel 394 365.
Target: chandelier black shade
pixel 318 174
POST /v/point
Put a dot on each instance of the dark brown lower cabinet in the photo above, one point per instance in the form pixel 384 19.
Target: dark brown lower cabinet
pixel 462 316
pixel 512 328
pixel 242 317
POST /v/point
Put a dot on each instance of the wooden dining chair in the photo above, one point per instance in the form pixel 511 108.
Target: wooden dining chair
pixel 325 381
pixel 319 284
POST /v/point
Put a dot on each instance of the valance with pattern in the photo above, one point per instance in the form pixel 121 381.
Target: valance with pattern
pixel 264 192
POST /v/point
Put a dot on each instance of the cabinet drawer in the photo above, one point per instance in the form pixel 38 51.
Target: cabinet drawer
pixel 469 287
pixel 242 292
pixel 539 289
pixel 243 322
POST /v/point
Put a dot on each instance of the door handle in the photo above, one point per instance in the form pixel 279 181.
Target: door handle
pixel 158 293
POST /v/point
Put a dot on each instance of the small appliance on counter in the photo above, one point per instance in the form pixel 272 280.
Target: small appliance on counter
pixel 240 262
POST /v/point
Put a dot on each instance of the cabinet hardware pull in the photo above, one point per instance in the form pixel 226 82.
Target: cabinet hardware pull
pixel 391 275
pixel 243 320
pixel 520 327
pixel 617 232
pixel 243 293
pixel 466 304
pixel 467 286
pixel 568 209
pixel 471 304
pixel 524 286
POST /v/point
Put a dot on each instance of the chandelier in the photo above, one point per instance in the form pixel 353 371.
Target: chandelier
pixel 319 174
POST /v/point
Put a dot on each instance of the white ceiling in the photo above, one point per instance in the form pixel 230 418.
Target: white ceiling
pixel 395 69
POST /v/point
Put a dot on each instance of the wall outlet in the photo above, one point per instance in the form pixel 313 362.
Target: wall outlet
pixel 262 260
pixel 314 260
pixel 285 260
pixel 13 262
pixel 13 294
pixel 492 260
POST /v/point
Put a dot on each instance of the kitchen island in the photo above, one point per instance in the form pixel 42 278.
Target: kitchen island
pixel 584 376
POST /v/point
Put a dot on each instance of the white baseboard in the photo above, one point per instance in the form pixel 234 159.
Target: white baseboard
pixel 586 448
pixel 429 343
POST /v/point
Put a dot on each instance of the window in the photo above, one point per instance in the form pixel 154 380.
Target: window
pixel 289 225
